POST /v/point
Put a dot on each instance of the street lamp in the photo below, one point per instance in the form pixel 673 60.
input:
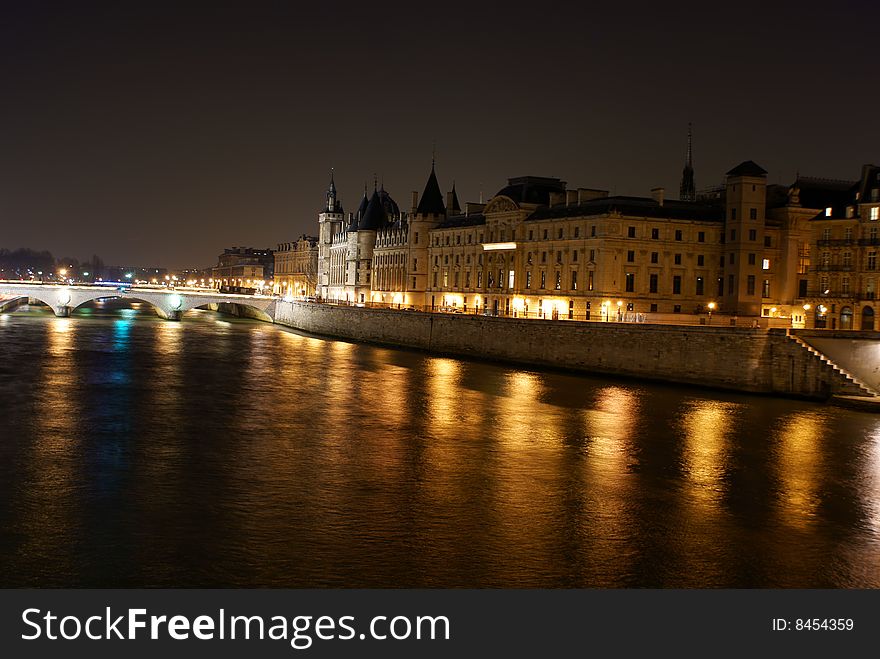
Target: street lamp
pixel 711 306
pixel 619 310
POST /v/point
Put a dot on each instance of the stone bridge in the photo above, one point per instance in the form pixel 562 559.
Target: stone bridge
pixel 169 304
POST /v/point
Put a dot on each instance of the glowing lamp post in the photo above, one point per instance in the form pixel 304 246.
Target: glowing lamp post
pixel 711 306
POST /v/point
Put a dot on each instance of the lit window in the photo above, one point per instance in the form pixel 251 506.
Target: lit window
pixel 766 264
pixel 828 212
pixel 875 213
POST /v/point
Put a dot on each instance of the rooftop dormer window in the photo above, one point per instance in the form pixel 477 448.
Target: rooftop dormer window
pixel 828 212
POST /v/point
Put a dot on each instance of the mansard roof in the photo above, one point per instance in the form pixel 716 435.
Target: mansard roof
pixel 431 202
pixel 455 221
pixel 392 210
pixel 531 189
pixel 634 206
pixel 748 168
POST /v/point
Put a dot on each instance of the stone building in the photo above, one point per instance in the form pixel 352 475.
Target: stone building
pixel 244 268
pixel 380 254
pixel 296 267
pixel 743 250
pixel 540 249
pixel 846 239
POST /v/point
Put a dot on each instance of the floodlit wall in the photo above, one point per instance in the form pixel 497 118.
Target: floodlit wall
pixel 742 359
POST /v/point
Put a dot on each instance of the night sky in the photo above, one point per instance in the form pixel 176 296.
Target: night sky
pixel 154 134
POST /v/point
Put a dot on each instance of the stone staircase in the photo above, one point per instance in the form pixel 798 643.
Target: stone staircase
pixel 850 385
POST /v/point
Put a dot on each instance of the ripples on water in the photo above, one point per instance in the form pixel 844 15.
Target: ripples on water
pixel 224 452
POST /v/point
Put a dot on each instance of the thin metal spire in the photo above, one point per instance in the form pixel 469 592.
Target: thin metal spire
pixel 690 153
pixel 687 191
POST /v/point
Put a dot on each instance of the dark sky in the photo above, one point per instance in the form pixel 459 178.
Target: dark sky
pixel 158 134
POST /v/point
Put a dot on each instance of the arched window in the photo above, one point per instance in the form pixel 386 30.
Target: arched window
pixel 868 318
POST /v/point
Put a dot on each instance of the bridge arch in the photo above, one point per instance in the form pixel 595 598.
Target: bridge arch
pixel 237 308
pixel 13 302
pixel 160 311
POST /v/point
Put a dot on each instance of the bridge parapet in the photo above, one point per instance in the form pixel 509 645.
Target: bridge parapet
pixel 169 304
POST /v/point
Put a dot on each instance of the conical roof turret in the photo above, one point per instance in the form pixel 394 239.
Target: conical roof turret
pixel 431 202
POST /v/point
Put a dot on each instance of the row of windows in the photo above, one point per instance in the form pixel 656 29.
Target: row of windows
pixel 845 288
pixel 828 233
pixel 753 237
pixel 655 234
pixel 846 260
pixel 545 234
pixel 753 213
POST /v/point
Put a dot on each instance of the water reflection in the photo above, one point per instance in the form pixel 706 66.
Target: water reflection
pixel 706 425
pixel 49 506
pixel 801 468
pixel 223 452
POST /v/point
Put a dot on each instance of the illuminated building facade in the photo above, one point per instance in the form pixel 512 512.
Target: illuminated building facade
pixel 244 268
pixel 296 267
pixel 843 271
pixel 379 254
pixel 540 249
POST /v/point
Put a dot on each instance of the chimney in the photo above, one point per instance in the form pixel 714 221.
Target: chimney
pixel 657 194
pixel 571 197
pixel 588 194
pixel 449 202
pixel 471 207
pixel 415 201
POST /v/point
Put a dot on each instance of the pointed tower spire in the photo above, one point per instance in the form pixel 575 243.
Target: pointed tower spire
pixel 431 202
pixel 333 204
pixel 687 191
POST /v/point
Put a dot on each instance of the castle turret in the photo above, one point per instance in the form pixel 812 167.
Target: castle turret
pixel 330 221
pixel 746 201
pixel 428 214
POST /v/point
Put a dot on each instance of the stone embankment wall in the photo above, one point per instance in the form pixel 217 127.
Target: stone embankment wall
pixel 742 359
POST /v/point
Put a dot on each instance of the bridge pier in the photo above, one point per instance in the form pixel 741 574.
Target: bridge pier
pixel 62 312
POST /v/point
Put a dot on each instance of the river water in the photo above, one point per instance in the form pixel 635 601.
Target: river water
pixel 225 452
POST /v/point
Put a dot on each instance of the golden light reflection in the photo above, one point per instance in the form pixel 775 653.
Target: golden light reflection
pixel 60 336
pixel 520 407
pixel 707 425
pixel 54 478
pixel 613 419
pixel 445 404
pixel 609 425
pixel 169 338
pixel 872 480
pixel 800 467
